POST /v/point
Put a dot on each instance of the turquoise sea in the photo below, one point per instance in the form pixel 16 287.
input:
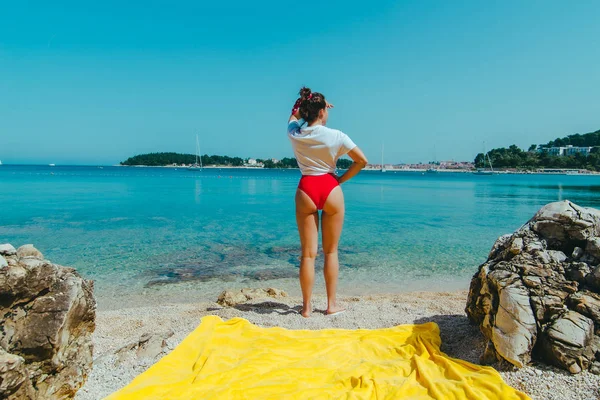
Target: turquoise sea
pixel 179 234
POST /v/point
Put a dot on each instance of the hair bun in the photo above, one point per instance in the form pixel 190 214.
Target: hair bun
pixel 311 103
pixel 304 92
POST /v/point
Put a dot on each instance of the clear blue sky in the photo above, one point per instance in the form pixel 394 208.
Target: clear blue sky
pixel 96 83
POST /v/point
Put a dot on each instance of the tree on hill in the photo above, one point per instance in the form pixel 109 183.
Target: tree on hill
pixel 577 140
pixel 514 157
pixel 285 162
pixel 161 159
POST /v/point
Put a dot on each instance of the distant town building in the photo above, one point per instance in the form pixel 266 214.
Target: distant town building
pixel 251 161
pixel 568 150
pixel 450 165
pixel 571 150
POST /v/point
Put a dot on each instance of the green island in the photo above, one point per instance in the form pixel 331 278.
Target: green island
pixel 177 159
pixel 578 151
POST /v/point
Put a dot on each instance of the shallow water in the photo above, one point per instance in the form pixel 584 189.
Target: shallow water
pixel 179 233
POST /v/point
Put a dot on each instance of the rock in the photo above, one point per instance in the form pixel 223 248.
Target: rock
pixel 550 230
pixel 512 328
pixel 577 271
pixel 47 316
pixel 276 292
pixel 530 295
pixel 570 221
pixel 253 294
pixel 14 378
pixel 3 262
pixel 499 246
pixel 593 279
pixel 231 298
pixel 534 246
pixel 149 346
pixel 586 303
pixel 596 347
pixel 7 250
pixel 27 250
pixel 589 259
pixel 593 246
pixel 567 342
pixel 152 345
pixel 595 368
pixel 557 256
pixel 516 246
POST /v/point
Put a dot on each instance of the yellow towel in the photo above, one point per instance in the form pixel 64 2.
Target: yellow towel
pixel 237 360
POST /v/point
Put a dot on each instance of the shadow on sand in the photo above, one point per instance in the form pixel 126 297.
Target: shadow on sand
pixel 460 339
pixel 266 307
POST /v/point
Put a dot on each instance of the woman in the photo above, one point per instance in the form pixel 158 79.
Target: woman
pixel 317 149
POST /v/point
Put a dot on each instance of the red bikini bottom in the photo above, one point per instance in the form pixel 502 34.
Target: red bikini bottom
pixel 318 187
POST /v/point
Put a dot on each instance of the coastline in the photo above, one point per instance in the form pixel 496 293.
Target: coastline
pixel 392 170
pixel 120 327
pixel 424 171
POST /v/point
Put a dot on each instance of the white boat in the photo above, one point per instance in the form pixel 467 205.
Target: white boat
pixel 432 170
pixel 0 162
pixel 52 165
pixel 197 166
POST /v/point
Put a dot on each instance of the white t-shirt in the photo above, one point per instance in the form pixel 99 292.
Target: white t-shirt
pixel 317 148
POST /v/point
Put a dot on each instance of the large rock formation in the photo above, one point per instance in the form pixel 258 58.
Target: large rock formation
pixel 537 295
pixel 47 316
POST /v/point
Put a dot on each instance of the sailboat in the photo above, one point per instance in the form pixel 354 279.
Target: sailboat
pixel 433 170
pixel 382 165
pixel 483 171
pixel 0 162
pixel 197 166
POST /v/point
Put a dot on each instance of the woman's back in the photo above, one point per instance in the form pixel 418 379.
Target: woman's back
pixel 317 148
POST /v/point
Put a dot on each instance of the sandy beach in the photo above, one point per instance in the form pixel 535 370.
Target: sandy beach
pixel 119 327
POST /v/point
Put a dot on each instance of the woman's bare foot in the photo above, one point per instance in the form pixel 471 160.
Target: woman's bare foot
pixel 306 310
pixel 333 310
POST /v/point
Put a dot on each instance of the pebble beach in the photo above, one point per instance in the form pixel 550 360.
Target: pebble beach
pixel 117 328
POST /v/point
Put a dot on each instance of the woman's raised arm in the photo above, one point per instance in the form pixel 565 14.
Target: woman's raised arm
pixel 295 112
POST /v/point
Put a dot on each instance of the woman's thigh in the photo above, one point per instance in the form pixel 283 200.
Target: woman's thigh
pixel 332 220
pixel 307 218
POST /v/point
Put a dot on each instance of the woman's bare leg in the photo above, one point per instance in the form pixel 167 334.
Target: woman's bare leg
pixel 332 221
pixel 307 218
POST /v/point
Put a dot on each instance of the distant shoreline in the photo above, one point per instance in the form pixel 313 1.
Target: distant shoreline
pixel 375 169
pixel 296 169
pixel 423 170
